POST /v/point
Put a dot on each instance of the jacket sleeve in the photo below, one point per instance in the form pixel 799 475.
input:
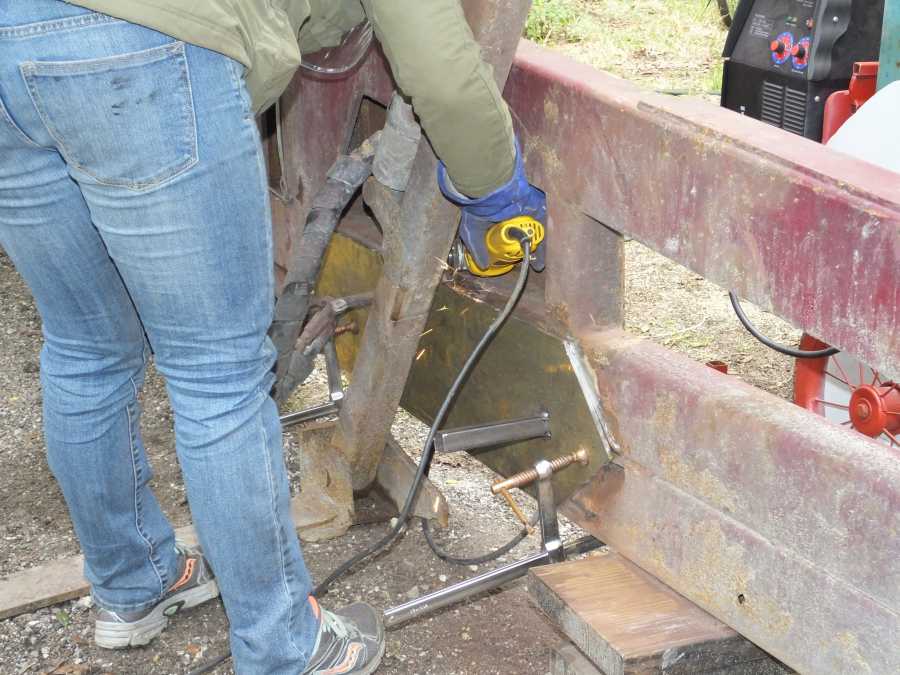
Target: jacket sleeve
pixel 437 63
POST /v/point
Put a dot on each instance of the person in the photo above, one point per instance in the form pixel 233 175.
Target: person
pixel 134 203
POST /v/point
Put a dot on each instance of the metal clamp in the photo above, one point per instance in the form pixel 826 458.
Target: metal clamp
pixel 552 548
pixel 335 393
pixel 531 475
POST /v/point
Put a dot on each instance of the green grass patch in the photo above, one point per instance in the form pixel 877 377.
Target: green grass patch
pixel 553 21
pixel 668 45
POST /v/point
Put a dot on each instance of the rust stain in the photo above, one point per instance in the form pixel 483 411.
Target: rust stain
pixel 551 111
pixel 713 562
pixel 560 313
pixel 848 647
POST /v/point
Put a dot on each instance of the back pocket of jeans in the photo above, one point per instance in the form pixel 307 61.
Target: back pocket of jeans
pixel 123 120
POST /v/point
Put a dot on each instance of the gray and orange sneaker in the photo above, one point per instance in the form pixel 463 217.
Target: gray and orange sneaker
pixel 350 641
pixel 196 584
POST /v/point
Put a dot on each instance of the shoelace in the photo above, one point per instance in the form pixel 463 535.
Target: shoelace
pixel 333 623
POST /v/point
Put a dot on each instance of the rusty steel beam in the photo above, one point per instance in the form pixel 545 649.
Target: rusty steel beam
pixel 317 120
pixel 414 249
pixel 777 522
pixel 802 230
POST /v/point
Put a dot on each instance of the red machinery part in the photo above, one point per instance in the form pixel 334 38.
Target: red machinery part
pixel 842 104
pixel 874 405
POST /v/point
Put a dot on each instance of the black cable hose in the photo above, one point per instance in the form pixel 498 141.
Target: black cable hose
pixel 428 447
pixel 479 560
pixel 771 344
pixel 427 452
pixel 211 665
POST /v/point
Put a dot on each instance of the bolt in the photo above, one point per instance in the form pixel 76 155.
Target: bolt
pixel 346 328
pixel 863 410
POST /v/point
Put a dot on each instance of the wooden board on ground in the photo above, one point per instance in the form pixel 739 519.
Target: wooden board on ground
pixel 54 582
pixel 627 622
pixel 566 659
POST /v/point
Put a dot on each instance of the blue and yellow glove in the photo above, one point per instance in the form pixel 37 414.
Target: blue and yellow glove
pixel 515 199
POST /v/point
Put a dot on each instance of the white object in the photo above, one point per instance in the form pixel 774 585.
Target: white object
pixel 873 133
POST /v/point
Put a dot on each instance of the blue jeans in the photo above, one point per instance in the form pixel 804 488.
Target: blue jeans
pixel 134 202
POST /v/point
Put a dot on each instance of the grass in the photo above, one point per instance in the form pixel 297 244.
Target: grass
pixel 670 45
pixel 553 20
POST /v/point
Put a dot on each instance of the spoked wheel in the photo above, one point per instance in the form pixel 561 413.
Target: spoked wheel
pixel 849 393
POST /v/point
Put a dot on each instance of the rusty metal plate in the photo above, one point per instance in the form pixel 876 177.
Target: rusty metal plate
pixel 524 371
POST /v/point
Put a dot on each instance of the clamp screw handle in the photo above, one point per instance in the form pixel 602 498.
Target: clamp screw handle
pixel 527 477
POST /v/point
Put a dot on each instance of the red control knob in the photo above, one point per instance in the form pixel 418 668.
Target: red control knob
pixel 799 51
pixel 778 46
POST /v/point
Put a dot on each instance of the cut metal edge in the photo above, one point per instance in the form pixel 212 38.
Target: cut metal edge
pixel 588 387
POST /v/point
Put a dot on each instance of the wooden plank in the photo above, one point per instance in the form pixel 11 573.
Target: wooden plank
pixel 54 582
pixel 625 621
pixel 565 659
pixel 41 586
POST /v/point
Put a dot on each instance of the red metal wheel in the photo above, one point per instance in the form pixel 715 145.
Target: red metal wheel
pixel 848 393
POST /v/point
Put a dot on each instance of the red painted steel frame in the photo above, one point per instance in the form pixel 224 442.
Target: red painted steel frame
pixel 780 524
pixel 774 520
pixel 805 231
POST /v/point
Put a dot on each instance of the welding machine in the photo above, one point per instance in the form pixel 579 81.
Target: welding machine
pixel 785 57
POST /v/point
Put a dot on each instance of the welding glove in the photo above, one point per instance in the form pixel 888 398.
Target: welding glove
pixel 516 198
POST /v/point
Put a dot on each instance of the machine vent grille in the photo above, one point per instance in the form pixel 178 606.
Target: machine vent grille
pixel 795 111
pixel 783 107
pixel 772 103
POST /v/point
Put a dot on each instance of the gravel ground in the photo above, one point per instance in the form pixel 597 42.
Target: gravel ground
pixel 683 313
pixel 669 304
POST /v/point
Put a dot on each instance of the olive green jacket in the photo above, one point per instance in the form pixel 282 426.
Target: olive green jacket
pixel 434 57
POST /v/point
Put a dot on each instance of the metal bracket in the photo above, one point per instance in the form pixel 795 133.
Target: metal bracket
pixel 550 540
pixel 495 433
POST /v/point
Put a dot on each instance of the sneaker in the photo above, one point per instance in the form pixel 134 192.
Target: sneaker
pixel 350 642
pixel 116 630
